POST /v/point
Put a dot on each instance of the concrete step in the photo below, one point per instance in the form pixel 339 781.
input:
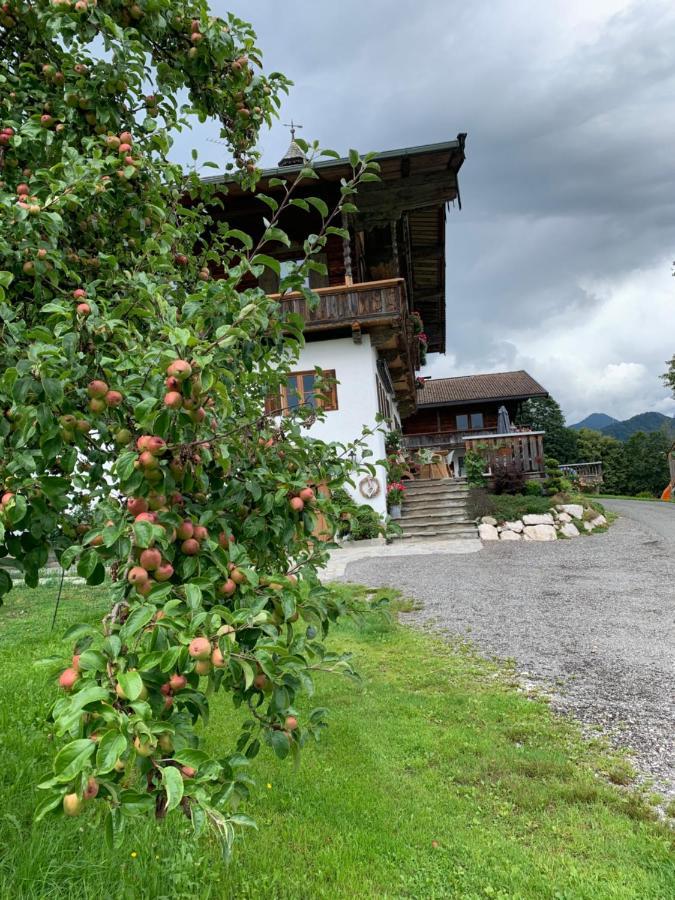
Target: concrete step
pixel 432 500
pixel 434 516
pixel 460 531
pixel 443 523
pixel 437 484
pixel 433 493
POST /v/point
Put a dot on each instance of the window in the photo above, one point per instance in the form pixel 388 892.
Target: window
pixel 317 390
pixel 473 420
pixel 288 266
pixel 269 281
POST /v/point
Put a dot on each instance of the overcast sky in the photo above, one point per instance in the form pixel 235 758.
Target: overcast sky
pixel 560 260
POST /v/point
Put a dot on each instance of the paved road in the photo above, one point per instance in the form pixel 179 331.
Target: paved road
pixel 591 617
pixel 655 516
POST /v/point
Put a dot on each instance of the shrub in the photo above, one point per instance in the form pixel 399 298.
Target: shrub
pixel 645 495
pixel 474 465
pixel 508 480
pixel 479 503
pixel 392 442
pixel 365 524
pixel 509 507
pixel 533 488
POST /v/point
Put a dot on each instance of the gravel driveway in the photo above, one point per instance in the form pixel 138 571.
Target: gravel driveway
pixel 591 618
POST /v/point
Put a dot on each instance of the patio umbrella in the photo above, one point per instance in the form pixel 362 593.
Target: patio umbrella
pixel 503 421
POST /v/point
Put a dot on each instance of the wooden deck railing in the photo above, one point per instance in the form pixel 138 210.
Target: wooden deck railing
pixel 584 473
pixel 522 451
pixel 446 439
pixel 368 303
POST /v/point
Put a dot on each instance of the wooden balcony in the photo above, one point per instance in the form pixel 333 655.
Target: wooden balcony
pixel 376 308
pixel 368 304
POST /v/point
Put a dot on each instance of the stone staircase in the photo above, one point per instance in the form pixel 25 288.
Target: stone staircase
pixel 436 509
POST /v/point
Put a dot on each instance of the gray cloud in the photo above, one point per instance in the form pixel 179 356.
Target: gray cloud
pixel 569 184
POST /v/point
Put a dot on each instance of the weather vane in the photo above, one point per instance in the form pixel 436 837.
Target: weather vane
pixel 292 126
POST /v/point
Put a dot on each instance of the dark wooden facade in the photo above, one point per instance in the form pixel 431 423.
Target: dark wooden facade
pixel 392 264
pixel 440 426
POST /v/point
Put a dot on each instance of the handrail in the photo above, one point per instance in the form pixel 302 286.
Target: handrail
pixel 358 287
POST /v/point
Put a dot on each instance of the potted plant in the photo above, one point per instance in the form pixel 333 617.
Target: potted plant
pixel 425 458
pixel 395 492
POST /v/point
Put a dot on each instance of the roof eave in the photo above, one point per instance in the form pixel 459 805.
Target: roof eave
pixel 456 144
pixel 499 399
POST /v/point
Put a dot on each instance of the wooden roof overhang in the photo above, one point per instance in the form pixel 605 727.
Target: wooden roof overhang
pixel 416 184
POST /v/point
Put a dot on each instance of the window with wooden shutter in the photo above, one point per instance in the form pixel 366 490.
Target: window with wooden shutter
pixel 316 390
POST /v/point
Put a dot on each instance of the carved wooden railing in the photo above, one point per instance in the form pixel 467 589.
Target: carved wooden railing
pixel 367 303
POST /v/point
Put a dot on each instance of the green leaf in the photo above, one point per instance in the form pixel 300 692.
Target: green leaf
pixel 173 785
pixel 50 802
pixel 137 621
pixel 73 758
pixel 16 509
pixel 133 803
pixel 354 158
pixel 193 595
pixel 280 745
pixel 88 562
pixel 53 389
pixel 143 533
pixel 111 746
pixel 131 683
pixel 262 259
pixel 243 820
pixel 276 234
pixel 98 575
pixel 92 660
pixel 320 205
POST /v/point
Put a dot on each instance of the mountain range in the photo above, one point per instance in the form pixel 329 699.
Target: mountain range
pixel 622 430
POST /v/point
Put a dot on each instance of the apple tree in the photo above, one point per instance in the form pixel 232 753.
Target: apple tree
pixel 134 443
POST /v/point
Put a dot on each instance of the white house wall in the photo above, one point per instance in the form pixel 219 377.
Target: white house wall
pixel 356 373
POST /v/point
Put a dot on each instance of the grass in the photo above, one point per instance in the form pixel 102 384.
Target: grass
pixel 436 779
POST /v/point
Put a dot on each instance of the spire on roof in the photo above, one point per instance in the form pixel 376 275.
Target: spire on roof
pixel 294 155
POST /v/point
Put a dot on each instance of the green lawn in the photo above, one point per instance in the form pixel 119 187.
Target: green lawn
pixel 435 779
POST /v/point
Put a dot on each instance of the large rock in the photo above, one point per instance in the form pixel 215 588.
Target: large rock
pixel 507 535
pixel 488 520
pixel 516 526
pixel 540 533
pixel 573 509
pixel 543 519
pixel 487 532
pixel 588 526
pixel 598 520
pixel 564 517
pixel 570 530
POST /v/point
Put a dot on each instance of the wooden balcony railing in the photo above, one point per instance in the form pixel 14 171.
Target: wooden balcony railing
pixel 368 303
pixel 584 473
pixel 434 439
pixel 441 439
pixel 519 450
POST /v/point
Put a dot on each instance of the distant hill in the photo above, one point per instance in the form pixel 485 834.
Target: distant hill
pixel 596 421
pixel 647 422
